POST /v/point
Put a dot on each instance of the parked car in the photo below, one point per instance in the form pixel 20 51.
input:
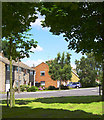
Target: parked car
pixel 74 84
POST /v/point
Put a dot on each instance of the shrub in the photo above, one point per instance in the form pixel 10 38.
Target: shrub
pixel 24 87
pixel 64 87
pixel 15 89
pixel 36 88
pixel 46 88
pixel 32 89
pixel 51 88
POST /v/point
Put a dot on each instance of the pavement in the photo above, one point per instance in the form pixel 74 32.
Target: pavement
pixel 71 92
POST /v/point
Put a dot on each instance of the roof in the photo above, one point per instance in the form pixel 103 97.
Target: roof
pixel 21 64
pixel 75 73
pixel 39 64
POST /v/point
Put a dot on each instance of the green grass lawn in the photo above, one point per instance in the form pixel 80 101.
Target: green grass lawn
pixel 55 107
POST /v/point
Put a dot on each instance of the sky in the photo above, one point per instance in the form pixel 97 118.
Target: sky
pixel 48 46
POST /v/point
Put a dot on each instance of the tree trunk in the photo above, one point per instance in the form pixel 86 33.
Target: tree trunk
pixel 18 78
pixel 103 79
pixel 103 51
pixel 13 92
pixel 11 100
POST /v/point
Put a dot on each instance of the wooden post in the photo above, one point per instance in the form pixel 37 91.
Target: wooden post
pixel 60 84
pixel 99 89
pixel 7 98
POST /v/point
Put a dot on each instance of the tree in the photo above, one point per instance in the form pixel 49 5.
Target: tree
pixel 4 47
pixel 18 46
pixel 17 17
pixel 81 24
pixel 88 70
pixel 60 68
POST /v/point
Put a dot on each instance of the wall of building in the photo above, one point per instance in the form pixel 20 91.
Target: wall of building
pixel 7 73
pixel 46 78
pixel 2 76
pixel 74 78
pixel 23 76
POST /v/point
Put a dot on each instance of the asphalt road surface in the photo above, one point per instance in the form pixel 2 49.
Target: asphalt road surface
pixel 73 92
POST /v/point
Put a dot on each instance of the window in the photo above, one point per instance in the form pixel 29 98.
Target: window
pixel 12 68
pixel 31 72
pixel 7 81
pixel 42 73
pixel 17 83
pixel 25 71
pixel 8 68
pixel 20 82
pixel 42 82
pixel 19 69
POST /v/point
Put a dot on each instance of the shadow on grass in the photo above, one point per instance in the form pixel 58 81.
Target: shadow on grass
pixel 27 112
pixel 71 99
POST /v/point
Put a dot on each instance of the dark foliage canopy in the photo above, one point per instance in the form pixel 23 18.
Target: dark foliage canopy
pixel 81 23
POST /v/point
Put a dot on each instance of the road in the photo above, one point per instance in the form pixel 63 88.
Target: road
pixel 73 92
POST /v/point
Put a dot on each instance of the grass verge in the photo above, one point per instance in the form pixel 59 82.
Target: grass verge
pixel 55 107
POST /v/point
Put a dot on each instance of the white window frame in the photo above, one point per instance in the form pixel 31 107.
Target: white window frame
pixel 8 67
pixel 7 82
pixel 42 72
pixel 43 83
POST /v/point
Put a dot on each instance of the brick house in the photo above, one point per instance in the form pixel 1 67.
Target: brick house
pixel 26 74
pixel 43 78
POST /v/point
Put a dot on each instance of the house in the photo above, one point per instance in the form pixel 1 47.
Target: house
pixel 42 76
pixel 26 74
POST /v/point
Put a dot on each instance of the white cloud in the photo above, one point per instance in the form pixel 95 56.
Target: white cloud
pixel 73 65
pixel 37 23
pixel 37 49
pixel 33 62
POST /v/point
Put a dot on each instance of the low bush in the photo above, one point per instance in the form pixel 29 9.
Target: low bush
pixel 15 89
pixel 32 89
pixel 51 88
pixel 36 88
pixel 64 87
pixel 24 87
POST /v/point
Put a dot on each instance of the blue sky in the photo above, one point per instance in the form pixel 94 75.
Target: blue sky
pixel 48 46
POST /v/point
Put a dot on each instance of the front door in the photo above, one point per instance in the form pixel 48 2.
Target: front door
pixel 58 82
pixel 7 87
